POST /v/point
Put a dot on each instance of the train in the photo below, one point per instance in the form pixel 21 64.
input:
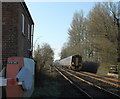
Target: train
pixel 73 62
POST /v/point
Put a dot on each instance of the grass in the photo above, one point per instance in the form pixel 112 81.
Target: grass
pixel 53 85
pixel 103 69
pixel 47 85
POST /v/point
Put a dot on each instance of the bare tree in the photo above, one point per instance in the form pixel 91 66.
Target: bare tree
pixel 44 55
pixel 102 34
pixel 77 33
pixel 114 10
pixel 96 37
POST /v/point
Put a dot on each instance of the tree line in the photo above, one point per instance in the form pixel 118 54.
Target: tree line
pixel 97 36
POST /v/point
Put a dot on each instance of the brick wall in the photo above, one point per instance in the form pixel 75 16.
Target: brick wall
pixel 14 43
pixel 9 29
pixel 26 44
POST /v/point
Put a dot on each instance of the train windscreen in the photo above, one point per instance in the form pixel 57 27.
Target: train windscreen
pixel 76 60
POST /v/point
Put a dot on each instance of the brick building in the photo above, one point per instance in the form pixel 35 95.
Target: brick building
pixel 17 30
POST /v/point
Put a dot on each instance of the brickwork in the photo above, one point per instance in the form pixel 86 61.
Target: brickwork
pixel 9 29
pixel 14 42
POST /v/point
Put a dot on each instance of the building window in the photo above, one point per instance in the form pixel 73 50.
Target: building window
pixel 29 32
pixel 23 24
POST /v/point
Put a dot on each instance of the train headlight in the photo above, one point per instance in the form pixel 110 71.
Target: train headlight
pixel 72 63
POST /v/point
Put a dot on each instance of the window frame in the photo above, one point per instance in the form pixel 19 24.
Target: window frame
pixel 29 32
pixel 23 24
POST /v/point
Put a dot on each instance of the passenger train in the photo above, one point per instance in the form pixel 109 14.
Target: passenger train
pixel 73 62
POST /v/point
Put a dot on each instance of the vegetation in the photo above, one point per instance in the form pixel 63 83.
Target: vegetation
pixel 43 55
pixel 97 36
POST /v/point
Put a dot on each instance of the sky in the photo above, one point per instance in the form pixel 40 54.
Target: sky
pixel 52 21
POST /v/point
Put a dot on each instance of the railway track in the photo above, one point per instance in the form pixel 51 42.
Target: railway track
pixel 74 84
pixel 116 81
pixel 89 85
pixel 110 81
pixel 103 83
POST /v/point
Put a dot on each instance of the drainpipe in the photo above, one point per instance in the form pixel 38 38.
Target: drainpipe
pixel 32 38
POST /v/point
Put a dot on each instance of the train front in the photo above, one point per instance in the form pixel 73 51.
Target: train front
pixel 76 62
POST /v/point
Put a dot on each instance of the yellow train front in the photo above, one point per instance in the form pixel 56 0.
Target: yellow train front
pixel 73 62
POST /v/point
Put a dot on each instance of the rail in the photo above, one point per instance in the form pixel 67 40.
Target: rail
pixel 73 83
pixel 108 82
pixel 92 84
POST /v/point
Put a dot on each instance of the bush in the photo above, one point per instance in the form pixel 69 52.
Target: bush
pixel 103 69
pixel 89 66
